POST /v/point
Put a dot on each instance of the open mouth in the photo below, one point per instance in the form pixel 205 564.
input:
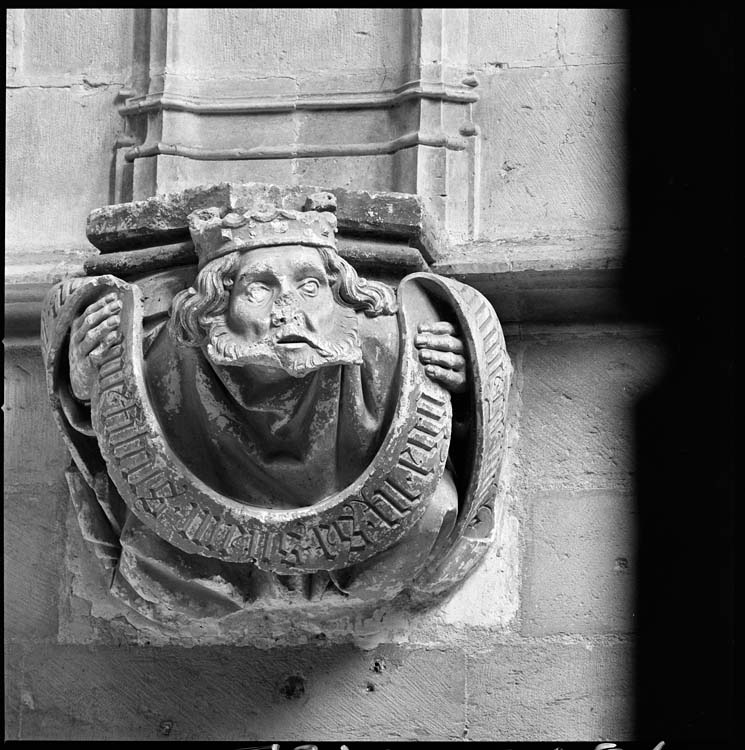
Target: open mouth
pixel 292 340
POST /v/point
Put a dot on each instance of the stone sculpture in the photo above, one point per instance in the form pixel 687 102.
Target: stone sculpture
pixel 290 432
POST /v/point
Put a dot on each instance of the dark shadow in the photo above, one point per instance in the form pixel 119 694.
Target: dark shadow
pixel 680 276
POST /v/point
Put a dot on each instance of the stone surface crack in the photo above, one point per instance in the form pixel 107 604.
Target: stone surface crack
pixel 295 135
pixel 85 83
pixel 504 67
pixel 559 51
pixel 21 691
pixel 40 86
pixel 465 694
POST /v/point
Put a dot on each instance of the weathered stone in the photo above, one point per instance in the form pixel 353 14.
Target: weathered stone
pixel 30 431
pixel 144 693
pixel 580 566
pixel 323 201
pixel 573 297
pixel 380 257
pixel 546 37
pixel 396 214
pixel 155 221
pixel 32 558
pixel 256 41
pixel 97 529
pixel 349 492
pixel 34 463
pixel 572 279
pixel 488 600
pixel 577 410
pixel 75 128
pixel 131 262
pixel 162 219
pixel 376 173
pixel 172 173
pixel 513 37
pixel 93 42
pixel 13 690
pixel 543 691
pixel 543 129
pixel 23 303
pixel 593 35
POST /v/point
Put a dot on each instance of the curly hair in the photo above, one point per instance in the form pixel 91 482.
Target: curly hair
pixel 194 310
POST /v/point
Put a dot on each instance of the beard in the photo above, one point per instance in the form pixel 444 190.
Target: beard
pixel 292 348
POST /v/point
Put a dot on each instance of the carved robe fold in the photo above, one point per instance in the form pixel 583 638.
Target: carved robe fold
pixel 283 446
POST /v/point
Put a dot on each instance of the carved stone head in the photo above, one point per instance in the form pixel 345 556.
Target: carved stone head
pixel 273 295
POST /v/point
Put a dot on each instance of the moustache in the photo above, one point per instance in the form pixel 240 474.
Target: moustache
pixel 227 348
pixel 296 334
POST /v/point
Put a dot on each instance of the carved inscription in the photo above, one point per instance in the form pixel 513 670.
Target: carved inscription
pixel 494 359
pixel 127 437
pixel 382 505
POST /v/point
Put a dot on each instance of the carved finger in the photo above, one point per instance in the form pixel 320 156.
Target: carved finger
pixel 98 354
pixel 440 327
pixel 443 342
pixel 96 335
pixel 95 314
pixel 100 303
pixel 444 359
pixel 455 382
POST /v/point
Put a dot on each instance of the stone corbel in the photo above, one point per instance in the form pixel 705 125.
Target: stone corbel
pixel 342 451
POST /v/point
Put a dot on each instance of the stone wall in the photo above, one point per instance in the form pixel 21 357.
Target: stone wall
pixel 553 98
pixel 64 71
pixel 539 644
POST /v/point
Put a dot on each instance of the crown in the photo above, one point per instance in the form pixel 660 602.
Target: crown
pixel 214 235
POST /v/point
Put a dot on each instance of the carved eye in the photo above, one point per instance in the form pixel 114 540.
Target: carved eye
pixel 310 287
pixel 257 292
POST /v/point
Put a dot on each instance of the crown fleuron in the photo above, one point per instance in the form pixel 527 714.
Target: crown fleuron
pixel 215 236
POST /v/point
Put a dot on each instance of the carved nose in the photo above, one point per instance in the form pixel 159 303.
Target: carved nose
pixel 279 316
pixel 283 312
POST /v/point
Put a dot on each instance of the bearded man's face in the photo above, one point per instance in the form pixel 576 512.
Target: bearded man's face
pixel 282 315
